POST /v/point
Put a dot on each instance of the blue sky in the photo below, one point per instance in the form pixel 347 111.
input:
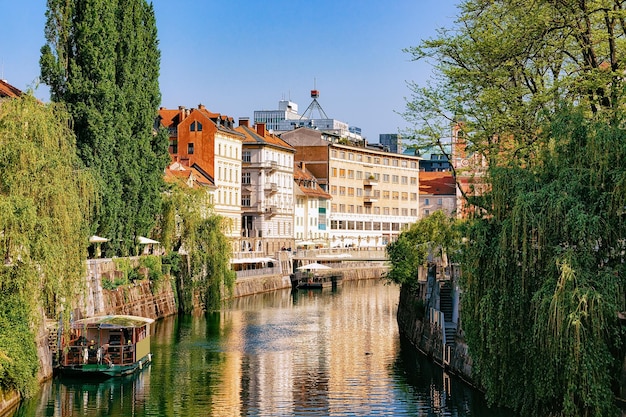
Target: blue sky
pixel 238 56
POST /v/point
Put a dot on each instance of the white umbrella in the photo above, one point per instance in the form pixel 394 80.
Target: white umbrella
pixel 314 266
pixel 97 239
pixel 305 243
pixel 145 241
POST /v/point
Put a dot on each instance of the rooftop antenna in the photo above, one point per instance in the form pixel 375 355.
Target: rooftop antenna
pixel 315 105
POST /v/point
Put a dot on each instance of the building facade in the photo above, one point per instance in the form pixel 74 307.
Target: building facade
pixel 267 199
pixel 437 192
pixel 392 141
pixel 374 193
pixel 208 143
pixel 312 210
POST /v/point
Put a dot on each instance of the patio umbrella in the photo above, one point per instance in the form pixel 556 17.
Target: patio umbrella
pixel 97 239
pixel 314 267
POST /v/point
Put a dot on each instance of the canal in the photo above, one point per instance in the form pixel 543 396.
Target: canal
pixel 310 353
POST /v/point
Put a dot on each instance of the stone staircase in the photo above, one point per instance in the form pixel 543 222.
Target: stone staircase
pixel 446 307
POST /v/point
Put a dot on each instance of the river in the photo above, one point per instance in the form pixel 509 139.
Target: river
pixel 310 353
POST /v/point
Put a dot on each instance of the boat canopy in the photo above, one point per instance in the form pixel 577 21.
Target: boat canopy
pixel 112 322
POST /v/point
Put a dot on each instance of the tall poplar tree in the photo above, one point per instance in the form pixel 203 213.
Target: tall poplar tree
pixel 102 59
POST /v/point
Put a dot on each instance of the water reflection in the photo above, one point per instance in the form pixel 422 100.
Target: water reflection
pixel 313 353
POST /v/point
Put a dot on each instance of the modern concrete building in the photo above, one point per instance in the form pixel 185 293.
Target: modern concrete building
pixel 267 199
pixel 374 193
pixel 286 118
pixel 392 141
pixel 208 143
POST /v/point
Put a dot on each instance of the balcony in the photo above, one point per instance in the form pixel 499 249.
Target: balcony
pixel 368 200
pixel 266 165
pixel 370 182
pixel 270 211
pixel 173 132
pixel 270 187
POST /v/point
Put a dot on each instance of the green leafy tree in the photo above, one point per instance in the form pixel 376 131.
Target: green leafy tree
pixel 102 60
pixel 434 236
pixel 538 87
pixel 45 200
pixel 189 225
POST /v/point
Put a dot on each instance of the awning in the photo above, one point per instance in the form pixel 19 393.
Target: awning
pixel 146 241
pixel 97 239
pixel 252 260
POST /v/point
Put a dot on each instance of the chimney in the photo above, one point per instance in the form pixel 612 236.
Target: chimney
pixel 244 121
pixel 260 129
pixel 201 106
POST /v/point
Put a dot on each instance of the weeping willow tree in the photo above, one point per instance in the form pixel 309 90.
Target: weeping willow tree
pixel 45 200
pixel 188 225
pixel 537 88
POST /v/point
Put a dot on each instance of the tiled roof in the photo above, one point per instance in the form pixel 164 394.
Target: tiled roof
pixel 308 184
pixel 437 183
pixel 190 176
pixel 252 137
pixel 7 90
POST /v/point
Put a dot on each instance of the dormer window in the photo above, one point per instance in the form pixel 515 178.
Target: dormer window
pixel 195 127
pixel 190 148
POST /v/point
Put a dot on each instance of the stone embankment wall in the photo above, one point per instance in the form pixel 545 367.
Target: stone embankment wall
pixel 427 337
pixel 265 283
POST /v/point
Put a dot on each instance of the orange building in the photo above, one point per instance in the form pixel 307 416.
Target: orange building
pixel 208 143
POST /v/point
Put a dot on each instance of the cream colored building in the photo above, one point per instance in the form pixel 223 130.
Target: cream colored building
pixel 375 194
pixel 267 199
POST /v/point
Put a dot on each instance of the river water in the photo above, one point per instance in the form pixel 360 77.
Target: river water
pixel 309 353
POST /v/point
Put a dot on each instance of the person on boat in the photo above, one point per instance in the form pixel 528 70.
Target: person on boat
pixel 103 352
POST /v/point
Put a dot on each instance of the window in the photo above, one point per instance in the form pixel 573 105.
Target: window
pixel 394 179
pixel 439 201
pixel 386 194
pixel 404 164
pixel 195 127
pixel 174 146
pixel 427 201
pixel 414 212
pixel 351 173
pixel 395 195
pixel 385 161
pixel 359 175
pixel 405 196
pixel 245 201
pixel 190 148
pixel 333 189
pixel 245 178
pixel 350 192
pixel 342 173
pixel 334 171
pixel 413 181
pixel 342 190
pixel 395 162
pixel 413 196
pixel 342 208
pixel 405 212
pixel 359 192
pixel 405 180
pixel 385 177
pixel 413 164
pixel 245 156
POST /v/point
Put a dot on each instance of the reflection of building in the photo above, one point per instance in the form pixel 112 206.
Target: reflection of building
pixel 208 143
pixel 437 192
pixel 267 190
pixel 374 194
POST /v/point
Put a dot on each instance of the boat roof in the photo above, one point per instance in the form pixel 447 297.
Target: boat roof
pixel 113 322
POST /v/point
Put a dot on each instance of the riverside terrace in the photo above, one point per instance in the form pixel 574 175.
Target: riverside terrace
pixel 249 264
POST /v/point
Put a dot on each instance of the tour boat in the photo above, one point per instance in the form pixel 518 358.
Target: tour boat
pixel 106 346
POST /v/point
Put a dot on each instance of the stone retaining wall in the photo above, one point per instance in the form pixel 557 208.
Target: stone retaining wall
pixel 266 283
pixel 426 338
